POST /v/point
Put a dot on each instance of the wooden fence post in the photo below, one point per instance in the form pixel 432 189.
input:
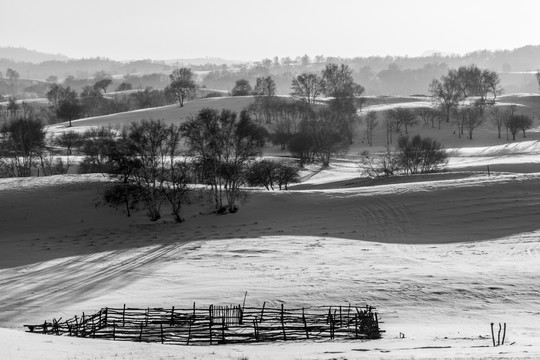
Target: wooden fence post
pixel 348 315
pixel 329 314
pixel 255 330
pixel 305 323
pixel 223 329
pixel 356 326
pixel 161 328
pixel 210 330
pixel 504 334
pixel 492 334
pixel 499 335
pixel 244 303
pixel 124 316
pixel 172 316
pixel 83 324
pixel 283 324
pixel 114 330
pixel 262 312
pixel 140 333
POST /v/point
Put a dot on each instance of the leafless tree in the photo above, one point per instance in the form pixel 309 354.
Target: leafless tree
pixel 429 115
pixel 469 118
pixel 265 86
pixel 22 143
pixel 223 143
pixel 307 87
pixel 519 122
pixel 380 165
pixel 182 84
pixel 499 117
pixel 371 124
pixel 402 117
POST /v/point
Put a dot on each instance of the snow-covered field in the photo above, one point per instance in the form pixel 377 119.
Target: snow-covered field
pixel 440 258
pixel 442 297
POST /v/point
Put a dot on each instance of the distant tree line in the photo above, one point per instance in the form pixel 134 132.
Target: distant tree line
pixel 65 104
pixel 311 130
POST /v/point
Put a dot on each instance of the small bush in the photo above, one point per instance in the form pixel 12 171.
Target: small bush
pixel 124 195
pixel 420 155
pixel 380 165
pixel 213 94
pixel 268 173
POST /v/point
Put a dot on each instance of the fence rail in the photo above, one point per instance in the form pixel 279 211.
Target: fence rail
pixel 219 324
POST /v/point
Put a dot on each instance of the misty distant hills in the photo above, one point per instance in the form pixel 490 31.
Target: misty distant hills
pixel 38 65
pixel 205 60
pixel 26 55
pixel 380 75
pixel 21 54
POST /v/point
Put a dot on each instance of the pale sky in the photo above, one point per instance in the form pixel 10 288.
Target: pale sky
pixel 254 29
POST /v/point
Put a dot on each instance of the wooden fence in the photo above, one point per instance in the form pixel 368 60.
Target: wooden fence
pixel 219 324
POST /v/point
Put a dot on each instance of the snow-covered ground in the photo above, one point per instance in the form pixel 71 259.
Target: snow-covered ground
pixel 439 259
pixel 442 298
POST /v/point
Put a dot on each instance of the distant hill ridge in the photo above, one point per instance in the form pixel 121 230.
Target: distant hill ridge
pixel 27 55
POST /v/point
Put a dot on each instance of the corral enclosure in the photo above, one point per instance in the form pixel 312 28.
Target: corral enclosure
pixel 219 324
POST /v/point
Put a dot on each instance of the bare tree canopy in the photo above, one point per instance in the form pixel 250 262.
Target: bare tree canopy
pixel 182 84
pixel 307 87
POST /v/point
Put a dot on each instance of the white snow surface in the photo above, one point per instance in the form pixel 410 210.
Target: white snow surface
pixel 441 297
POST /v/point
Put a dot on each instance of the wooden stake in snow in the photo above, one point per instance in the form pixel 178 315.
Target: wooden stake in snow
pixel 492 335
pixel 210 329
pixel 305 324
pixel 223 329
pixel 348 315
pixel 93 329
pixel 76 326
pixel 283 324
pixel 244 303
pixel 255 329
pixel 161 328
pixel 262 312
